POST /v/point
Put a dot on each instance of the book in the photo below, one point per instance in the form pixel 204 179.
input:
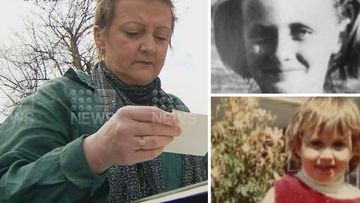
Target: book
pixel 192 193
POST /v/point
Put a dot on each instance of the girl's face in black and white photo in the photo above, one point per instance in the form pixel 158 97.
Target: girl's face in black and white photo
pixel 289 43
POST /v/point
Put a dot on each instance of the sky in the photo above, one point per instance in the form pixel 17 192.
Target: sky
pixel 185 73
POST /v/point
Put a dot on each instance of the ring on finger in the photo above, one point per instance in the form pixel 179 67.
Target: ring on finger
pixel 141 142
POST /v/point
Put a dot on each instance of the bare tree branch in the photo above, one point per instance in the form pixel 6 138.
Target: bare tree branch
pixel 57 37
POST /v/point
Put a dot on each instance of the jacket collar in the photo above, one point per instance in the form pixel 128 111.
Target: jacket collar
pixel 80 77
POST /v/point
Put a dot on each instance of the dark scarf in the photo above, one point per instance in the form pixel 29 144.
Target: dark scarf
pixel 129 183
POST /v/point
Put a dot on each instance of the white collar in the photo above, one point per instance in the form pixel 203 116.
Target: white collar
pixel 337 189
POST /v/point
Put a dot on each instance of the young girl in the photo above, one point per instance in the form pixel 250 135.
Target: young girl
pixel 297 46
pixel 324 136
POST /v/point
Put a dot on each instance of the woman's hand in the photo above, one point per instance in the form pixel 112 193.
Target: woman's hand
pixel 133 134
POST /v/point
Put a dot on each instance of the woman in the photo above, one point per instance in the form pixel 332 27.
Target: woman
pixel 101 138
pixel 290 46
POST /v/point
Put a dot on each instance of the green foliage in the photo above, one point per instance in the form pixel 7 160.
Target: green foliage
pixel 247 154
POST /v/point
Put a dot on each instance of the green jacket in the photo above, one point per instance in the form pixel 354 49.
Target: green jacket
pixel 41 154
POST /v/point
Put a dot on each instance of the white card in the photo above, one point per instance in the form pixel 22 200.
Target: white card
pixel 193 139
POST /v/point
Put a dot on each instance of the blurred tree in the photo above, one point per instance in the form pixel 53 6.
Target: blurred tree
pixel 57 36
pixel 247 153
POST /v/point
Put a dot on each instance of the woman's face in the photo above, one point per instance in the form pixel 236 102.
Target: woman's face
pixel 289 43
pixel 325 158
pixel 137 40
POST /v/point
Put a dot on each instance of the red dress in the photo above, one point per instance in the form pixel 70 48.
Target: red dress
pixel 290 189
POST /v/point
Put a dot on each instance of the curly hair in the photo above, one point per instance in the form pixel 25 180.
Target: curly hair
pixel 322 115
pixel 347 61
